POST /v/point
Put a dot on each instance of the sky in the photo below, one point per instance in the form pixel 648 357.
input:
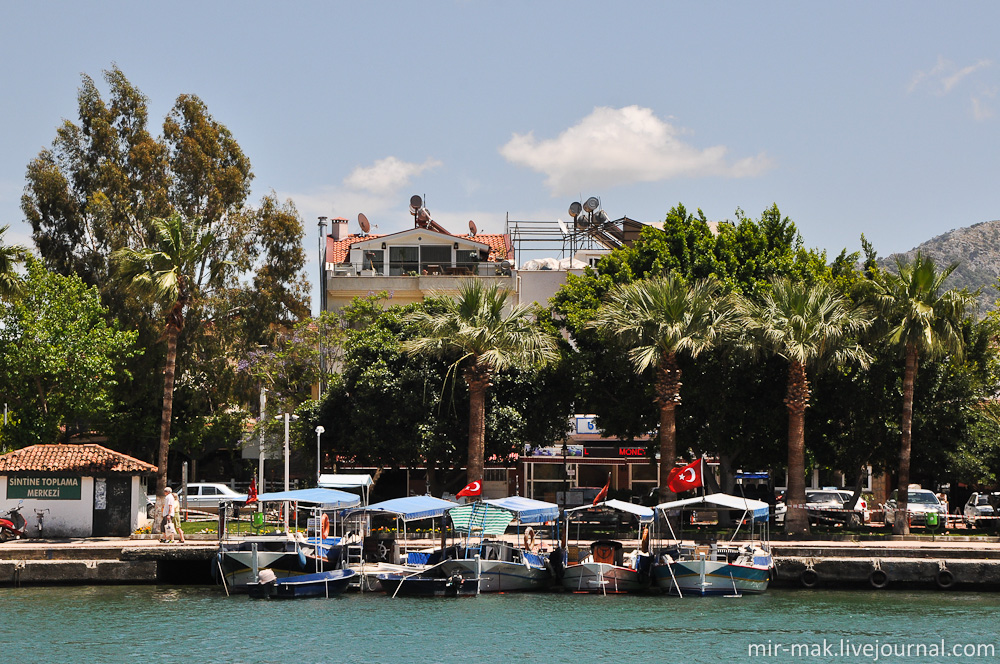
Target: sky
pixel 876 118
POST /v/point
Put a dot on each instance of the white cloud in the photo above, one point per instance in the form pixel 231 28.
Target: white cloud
pixel 614 146
pixel 386 176
pixel 945 76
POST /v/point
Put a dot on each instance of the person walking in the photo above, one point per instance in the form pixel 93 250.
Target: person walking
pixel 167 521
pixel 177 519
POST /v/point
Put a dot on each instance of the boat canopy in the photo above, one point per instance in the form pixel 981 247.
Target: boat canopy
pixel 326 498
pixel 527 510
pixel 760 509
pixel 643 513
pixel 345 481
pixel 492 520
pixel 410 508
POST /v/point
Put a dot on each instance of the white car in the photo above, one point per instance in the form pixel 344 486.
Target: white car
pixel 919 503
pixel 205 497
pixel 861 507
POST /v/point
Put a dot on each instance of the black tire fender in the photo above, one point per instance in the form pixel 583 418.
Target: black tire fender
pixel 809 578
pixel 878 579
pixel 944 579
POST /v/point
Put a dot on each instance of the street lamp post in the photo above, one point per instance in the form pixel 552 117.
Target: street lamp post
pixel 288 417
pixel 319 432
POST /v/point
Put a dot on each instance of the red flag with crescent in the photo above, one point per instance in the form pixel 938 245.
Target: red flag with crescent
pixel 252 494
pixel 603 493
pixel 688 477
pixel 471 489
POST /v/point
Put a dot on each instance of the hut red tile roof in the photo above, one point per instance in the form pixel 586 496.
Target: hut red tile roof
pixel 80 459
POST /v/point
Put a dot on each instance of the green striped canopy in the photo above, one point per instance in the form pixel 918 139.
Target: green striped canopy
pixel 479 516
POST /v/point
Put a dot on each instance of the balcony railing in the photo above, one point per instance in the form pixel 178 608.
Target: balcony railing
pixel 412 269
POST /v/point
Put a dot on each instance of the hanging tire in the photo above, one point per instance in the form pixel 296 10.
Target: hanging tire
pixel 809 578
pixel 878 579
pixel 944 579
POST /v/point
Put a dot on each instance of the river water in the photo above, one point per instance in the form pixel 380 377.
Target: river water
pixel 196 624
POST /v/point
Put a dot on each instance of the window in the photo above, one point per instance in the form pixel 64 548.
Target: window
pixel 373 259
pixel 403 260
pixel 434 254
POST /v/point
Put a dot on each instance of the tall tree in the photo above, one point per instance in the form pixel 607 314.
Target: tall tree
pixel 659 319
pixel 809 326
pixel 487 335
pixel 924 322
pixel 176 272
pixel 59 358
pixel 10 257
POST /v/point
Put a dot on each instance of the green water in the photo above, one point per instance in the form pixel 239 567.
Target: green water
pixel 107 624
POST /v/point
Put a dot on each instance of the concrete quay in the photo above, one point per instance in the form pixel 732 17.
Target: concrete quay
pixel 910 562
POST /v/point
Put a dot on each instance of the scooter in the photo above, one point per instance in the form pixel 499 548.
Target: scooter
pixel 12 524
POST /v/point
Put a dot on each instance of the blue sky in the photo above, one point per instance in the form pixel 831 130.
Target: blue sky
pixel 876 118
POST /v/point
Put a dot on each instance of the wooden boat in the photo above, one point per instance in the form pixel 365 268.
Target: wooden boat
pixel 319 584
pixel 608 569
pixel 730 569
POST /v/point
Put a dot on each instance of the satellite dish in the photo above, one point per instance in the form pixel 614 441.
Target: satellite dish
pixel 472 227
pixel 575 209
pixel 591 204
pixel 363 222
pixel 415 204
pixel 562 227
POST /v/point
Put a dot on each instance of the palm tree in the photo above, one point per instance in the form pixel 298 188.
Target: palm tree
pixel 174 272
pixel 489 335
pixel 659 319
pixel 923 322
pixel 10 256
pixel 810 326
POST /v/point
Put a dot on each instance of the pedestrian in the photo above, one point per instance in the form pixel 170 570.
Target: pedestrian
pixel 167 520
pixel 177 518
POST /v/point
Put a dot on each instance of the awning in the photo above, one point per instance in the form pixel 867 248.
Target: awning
pixel 492 520
pixel 527 510
pixel 326 498
pixel 410 508
pixel 344 481
pixel 644 514
pixel 760 510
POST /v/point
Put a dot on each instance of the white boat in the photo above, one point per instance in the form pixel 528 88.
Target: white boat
pixel 607 568
pixel 499 565
pixel 383 557
pixel 730 569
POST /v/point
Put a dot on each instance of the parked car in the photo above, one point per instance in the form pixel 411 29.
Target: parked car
pixel 978 506
pixel 205 497
pixel 825 506
pixel 864 514
pixel 919 503
pixel 780 509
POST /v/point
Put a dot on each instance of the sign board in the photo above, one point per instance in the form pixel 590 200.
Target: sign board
pixel 43 487
pixel 586 424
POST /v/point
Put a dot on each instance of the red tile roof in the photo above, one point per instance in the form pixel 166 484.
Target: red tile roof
pixel 80 459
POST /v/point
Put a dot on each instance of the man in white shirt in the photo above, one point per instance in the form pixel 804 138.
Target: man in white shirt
pixel 167 522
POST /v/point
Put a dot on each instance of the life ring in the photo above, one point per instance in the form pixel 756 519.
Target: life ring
pixel 809 578
pixel 944 579
pixel 529 538
pixel 324 527
pixel 878 579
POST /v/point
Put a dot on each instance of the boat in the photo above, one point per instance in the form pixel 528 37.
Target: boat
pixel 428 583
pixel 733 568
pixel 240 559
pixel 500 565
pixel 376 557
pixel 319 584
pixel 607 568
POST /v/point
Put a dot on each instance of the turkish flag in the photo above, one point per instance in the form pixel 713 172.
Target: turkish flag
pixel 688 477
pixel 471 489
pixel 252 495
pixel 603 493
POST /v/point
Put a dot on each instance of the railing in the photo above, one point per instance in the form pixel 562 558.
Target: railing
pixel 411 269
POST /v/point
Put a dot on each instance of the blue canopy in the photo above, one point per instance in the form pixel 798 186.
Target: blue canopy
pixel 527 510
pixel 410 508
pixel 326 498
